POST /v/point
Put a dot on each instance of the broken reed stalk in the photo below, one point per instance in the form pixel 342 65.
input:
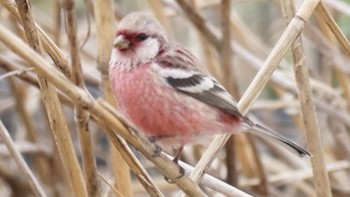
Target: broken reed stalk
pixel 82 116
pixel 53 108
pixel 81 98
pixel 308 113
pixel 104 19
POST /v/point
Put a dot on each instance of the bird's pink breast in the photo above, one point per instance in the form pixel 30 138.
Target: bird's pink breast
pixel 161 111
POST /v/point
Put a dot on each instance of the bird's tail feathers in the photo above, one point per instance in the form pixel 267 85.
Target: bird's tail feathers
pixel 268 134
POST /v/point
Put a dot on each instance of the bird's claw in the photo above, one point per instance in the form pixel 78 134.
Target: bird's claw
pixel 157 151
pixel 181 174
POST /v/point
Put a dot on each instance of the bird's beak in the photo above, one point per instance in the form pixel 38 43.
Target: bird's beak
pixel 121 43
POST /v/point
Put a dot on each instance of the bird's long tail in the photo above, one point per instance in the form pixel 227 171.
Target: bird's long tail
pixel 269 134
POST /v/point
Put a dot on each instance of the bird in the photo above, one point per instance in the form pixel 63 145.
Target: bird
pixel 165 91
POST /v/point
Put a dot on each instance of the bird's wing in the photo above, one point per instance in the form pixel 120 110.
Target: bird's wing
pixel 184 73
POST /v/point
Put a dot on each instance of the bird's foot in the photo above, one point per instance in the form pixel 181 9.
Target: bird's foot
pixel 157 150
pixel 181 174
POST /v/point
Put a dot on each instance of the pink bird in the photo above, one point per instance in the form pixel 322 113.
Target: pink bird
pixel 164 90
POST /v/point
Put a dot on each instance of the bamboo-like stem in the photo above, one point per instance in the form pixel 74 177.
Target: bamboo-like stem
pixel 32 181
pixel 81 98
pixel 53 108
pixel 104 22
pixel 308 113
pixel 82 116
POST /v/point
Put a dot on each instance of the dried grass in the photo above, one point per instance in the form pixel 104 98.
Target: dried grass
pixel 67 141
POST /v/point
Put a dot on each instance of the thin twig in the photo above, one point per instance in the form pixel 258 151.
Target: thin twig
pixel 110 185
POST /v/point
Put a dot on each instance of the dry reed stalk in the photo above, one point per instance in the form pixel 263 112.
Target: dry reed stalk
pixel 199 23
pixel 122 157
pixel 57 23
pixel 250 162
pixel 308 113
pixel 326 48
pixel 81 98
pixel 9 66
pixel 340 6
pixel 288 177
pixel 213 183
pixel 244 35
pixel 341 136
pixel 23 167
pixel 342 139
pixel 82 116
pixel 26 147
pixel 209 53
pixel 202 26
pixel 279 80
pixel 20 95
pixel 290 34
pixel 49 46
pixel 26 76
pixel 115 190
pixel 104 23
pixel 136 167
pixel 344 43
pixel 213 66
pixel 225 53
pixel 157 9
pixel 342 77
pixel 53 108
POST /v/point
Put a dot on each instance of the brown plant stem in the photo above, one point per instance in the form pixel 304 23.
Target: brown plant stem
pixel 53 108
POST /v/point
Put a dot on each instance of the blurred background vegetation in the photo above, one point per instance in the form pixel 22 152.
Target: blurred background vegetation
pixel 256 167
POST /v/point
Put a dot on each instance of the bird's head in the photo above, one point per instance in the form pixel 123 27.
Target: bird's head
pixel 139 37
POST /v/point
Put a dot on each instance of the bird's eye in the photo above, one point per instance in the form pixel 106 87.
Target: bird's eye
pixel 141 37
